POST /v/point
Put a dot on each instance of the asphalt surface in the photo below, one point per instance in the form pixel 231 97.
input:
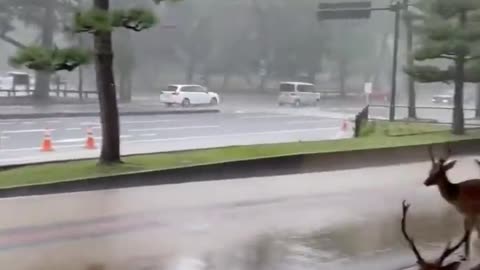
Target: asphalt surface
pixel 21 139
pixel 334 220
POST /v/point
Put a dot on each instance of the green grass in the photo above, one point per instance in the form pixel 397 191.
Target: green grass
pixel 384 128
pixel 377 138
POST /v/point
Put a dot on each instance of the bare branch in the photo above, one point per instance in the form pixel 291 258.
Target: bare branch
pixel 410 241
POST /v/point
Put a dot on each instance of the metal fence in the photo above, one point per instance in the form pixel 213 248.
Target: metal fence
pixel 360 120
pixel 439 114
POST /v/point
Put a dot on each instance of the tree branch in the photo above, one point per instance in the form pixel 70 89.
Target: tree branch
pixel 12 41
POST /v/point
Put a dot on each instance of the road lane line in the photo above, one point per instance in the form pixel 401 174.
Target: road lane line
pixel 148 135
pixel 25 131
pixel 268 116
pixel 54 121
pixel 318 121
pixel 27 123
pixel 173 128
pixel 150 121
pixel 83 139
pixel 38 148
pixel 235 135
pixel 71 129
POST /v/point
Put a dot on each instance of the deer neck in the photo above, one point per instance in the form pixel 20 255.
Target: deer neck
pixel 448 190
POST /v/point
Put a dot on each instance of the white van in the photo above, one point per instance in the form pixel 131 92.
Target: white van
pixel 298 94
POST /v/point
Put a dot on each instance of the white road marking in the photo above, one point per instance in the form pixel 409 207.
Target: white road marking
pixel 173 128
pixel 25 131
pixel 149 121
pixel 27 123
pixel 53 121
pixel 311 121
pixel 268 116
pixel 71 129
pixel 148 135
pixel 83 139
pixel 38 148
pixel 236 135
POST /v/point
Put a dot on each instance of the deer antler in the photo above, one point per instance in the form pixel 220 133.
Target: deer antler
pixel 410 241
pixel 449 250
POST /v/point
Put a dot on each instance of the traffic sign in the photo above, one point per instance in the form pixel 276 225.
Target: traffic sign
pixel 344 10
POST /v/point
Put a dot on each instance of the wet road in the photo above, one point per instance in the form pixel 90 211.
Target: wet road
pixel 333 220
pixel 20 140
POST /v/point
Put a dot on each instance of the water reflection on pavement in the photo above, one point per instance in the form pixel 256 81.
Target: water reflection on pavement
pixel 334 220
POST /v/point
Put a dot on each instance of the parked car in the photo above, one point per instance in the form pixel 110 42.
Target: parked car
pixel 188 94
pixel 444 98
pixel 298 94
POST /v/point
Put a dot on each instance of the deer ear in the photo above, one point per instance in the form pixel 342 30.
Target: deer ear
pixel 451 266
pixel 449 165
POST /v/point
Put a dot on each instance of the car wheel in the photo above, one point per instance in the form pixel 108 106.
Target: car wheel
pixel 297 103
pixel 186 102
pixel 169 104
pixel 213 102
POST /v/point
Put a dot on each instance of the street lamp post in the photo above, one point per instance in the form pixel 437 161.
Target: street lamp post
pixel 362 10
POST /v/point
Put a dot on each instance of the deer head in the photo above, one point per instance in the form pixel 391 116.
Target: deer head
pixel 439 168
pixel 438 263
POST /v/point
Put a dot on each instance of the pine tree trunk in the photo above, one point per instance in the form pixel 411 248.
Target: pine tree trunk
pixel 458 121
pixel 42 79
pixel 107 96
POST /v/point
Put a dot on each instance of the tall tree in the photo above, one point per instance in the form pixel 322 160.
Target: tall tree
pixel 47 15
pixel 449 31
pixel 99 21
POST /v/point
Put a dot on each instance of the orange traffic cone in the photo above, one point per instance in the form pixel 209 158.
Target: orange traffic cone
pixel 47 142
pixel 90 142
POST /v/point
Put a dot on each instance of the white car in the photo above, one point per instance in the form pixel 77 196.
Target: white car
pixel 188 94
pixel 298 93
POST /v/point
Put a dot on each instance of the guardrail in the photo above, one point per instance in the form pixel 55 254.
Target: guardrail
pixel 55 92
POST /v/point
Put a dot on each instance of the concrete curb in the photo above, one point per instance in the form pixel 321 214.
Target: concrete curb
pixel 263 167
pixel 94 114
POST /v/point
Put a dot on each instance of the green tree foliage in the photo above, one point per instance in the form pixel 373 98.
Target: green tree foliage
pixel 449 31
pixel 50 60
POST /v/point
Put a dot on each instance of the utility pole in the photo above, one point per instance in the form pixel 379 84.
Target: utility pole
pixel 362 10
pixel 397 7
pixel 412 113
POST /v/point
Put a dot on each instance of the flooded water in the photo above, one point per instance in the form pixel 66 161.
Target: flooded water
pixel 276 223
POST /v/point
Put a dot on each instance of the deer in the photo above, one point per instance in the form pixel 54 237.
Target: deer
pixel 421 262
pixel 464 196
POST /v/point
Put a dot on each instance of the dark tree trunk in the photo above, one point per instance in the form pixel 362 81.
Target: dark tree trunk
pixel 80 83
pixel 477 102
pixel 42 79
pixel 412 113
pixel 125 89
pixel 190 72
pixel 342 76
pixel 458 121
pixel 107 96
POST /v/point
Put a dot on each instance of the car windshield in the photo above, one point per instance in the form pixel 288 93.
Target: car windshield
pixel 172 88
pixel 287 87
